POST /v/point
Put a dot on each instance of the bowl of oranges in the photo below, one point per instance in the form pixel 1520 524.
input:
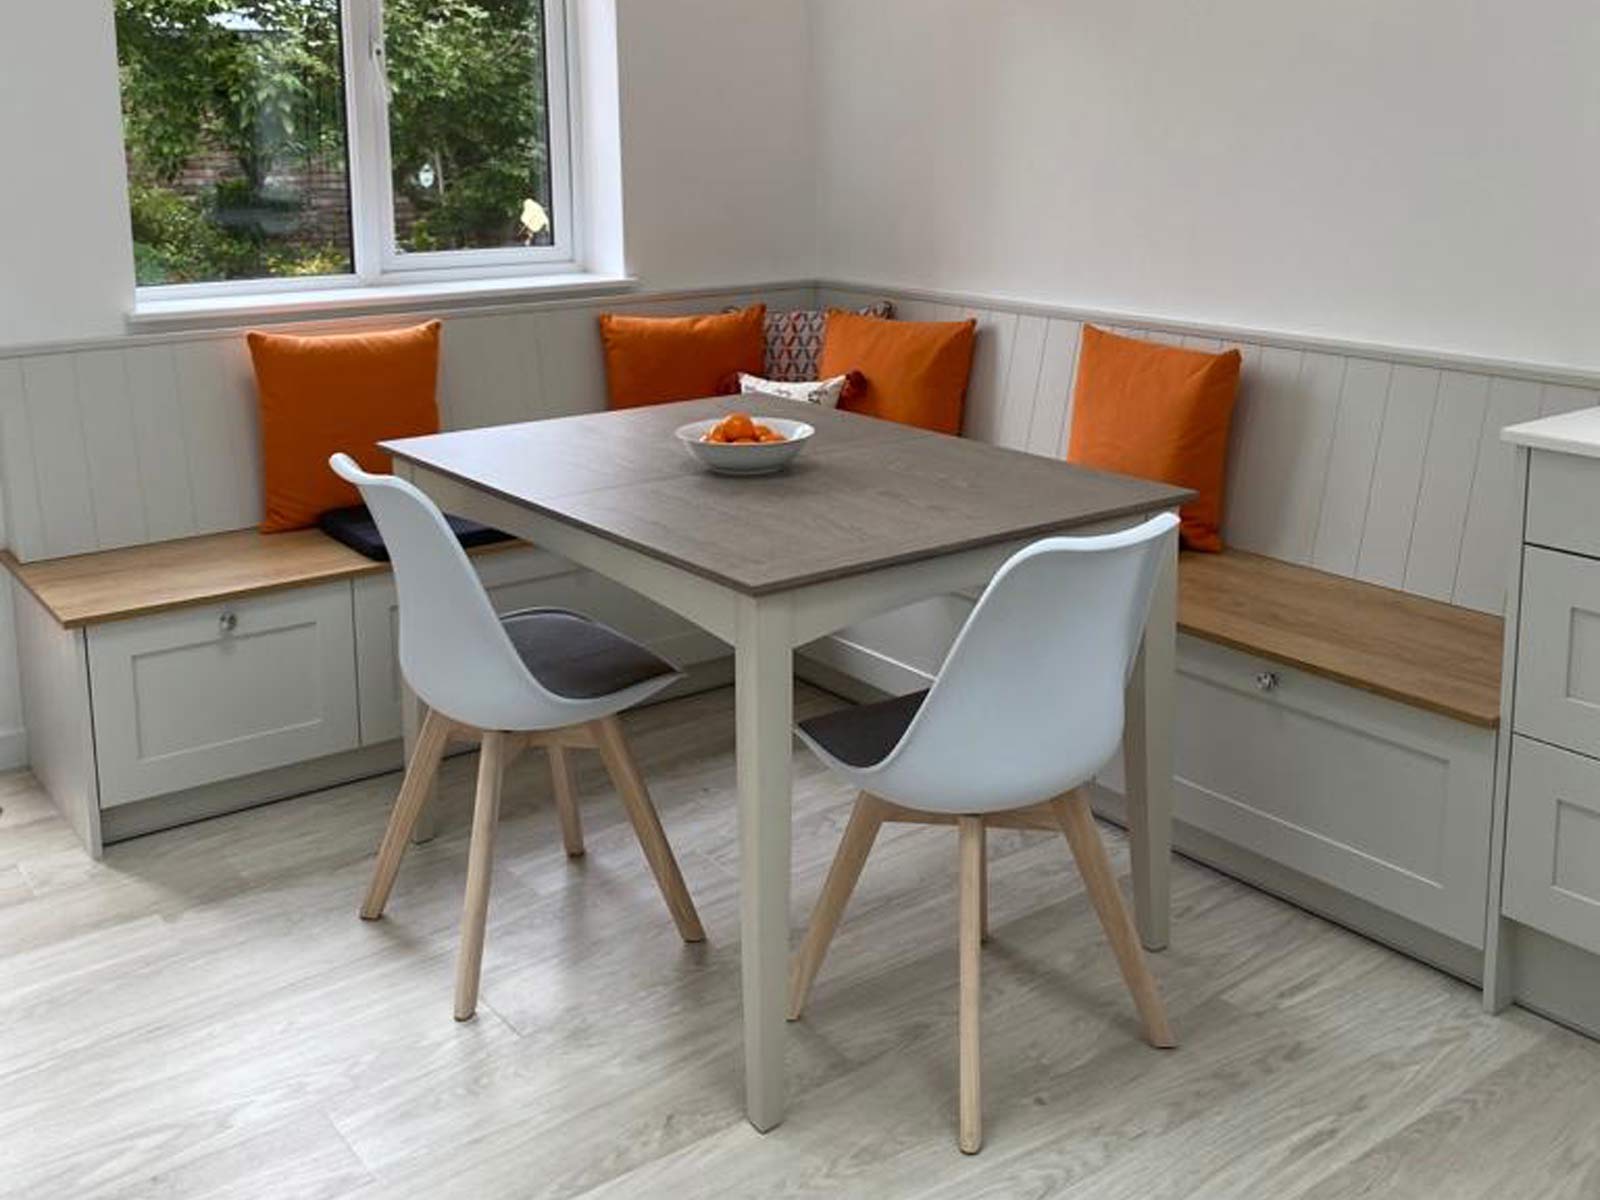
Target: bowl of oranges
pixel 739 444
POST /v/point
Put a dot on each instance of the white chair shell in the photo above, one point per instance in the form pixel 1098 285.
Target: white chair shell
pixel 454 651
pixel 1029 701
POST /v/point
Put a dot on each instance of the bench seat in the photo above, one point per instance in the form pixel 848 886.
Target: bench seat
pixel 115 585
pixel 1433 656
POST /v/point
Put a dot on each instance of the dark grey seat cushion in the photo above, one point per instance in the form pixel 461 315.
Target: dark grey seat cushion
pixel 355 528
pixel 862 736
pixel 577 658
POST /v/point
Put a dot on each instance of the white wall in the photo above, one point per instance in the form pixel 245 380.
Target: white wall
pixel 66 256
pixel 1424 173
pixel 717 140
pixel 717 144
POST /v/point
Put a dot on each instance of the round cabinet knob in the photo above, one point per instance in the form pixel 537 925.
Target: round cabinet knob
pixel 1267 681
pixel 228 622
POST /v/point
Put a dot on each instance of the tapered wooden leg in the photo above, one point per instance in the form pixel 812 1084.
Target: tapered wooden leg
pixel 480 864
pixel 971 938
pixel 983 882
pixel 414 792
pixel 413 712
pixel 566 801
pixel 1098 880
pixel 647 826
pixel 865 820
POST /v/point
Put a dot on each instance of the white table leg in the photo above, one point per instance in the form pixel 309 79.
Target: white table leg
pixel 410 726
pixel 763 678
pixel 1147 758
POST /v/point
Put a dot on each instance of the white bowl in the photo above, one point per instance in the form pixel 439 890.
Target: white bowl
pixel 748 458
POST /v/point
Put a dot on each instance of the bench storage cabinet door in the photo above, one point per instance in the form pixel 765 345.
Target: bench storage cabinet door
pixel 204 694
pixel 1378 799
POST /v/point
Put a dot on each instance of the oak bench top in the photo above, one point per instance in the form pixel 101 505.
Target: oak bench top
pixel 136 581
pixel 864 495
pixel 1421 652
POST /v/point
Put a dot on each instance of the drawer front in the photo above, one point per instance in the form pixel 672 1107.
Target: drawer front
pixel 1552 879
pixel 1558 652
pixel 1563 498
pixel 1381 800
pixel 204 694
pixel 513 578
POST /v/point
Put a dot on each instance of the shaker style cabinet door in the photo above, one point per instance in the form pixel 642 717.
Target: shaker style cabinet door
pixel 209 693
pixel 1552 879
pixel 1558 656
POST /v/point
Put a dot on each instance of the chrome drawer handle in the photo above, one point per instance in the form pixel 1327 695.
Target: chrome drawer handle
pixel 228 622
pixel 1267 681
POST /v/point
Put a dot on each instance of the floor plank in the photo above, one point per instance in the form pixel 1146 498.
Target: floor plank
pixel 203 1014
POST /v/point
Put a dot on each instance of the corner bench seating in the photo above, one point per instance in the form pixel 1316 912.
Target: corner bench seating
pixel 1399 694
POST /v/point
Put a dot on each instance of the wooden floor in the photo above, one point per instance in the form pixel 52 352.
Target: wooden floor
pixel 204 1015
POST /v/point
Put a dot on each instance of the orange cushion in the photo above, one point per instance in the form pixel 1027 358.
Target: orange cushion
pixel 345 392
pixel 651 360
pixel 1160 413
pixel 914 372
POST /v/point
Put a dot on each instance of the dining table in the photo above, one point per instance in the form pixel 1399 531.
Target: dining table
pixel 872 516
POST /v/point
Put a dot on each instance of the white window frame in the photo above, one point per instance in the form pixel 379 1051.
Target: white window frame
pixel 377 261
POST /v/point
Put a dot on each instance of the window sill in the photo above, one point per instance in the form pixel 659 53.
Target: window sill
pixel 155 316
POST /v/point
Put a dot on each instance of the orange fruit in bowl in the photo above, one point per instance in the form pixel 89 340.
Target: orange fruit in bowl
pixel 740 429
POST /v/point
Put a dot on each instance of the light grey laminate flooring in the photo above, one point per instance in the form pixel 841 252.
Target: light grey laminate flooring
pixel 203 1015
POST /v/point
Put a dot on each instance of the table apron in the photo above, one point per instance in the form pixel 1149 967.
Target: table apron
pixel 707 604
pixel 818 608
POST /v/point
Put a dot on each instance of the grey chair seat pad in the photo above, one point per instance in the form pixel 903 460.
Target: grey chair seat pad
pixel 863 735
pixel 578 658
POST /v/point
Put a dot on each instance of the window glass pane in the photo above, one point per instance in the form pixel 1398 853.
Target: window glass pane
pixel 469 130
pixel 234 119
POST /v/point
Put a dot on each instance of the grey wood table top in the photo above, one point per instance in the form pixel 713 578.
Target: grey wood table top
pixel 865 494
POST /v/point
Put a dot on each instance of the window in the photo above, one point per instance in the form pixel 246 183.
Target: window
pixel 274 144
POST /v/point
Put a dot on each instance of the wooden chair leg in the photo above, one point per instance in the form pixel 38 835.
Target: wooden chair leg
pixel 971 938
pixel 1077 822
pixel 983 882
pixel 566 801
pixel 866 818
pixel 480 864
pixel 408 805
pixel 624 772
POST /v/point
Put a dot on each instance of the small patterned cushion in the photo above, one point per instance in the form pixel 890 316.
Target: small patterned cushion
pixel 825 392
pixel 794 340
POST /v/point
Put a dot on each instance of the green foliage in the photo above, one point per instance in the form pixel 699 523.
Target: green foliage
pixel 261 81
pixel 258 77
pixel 467 102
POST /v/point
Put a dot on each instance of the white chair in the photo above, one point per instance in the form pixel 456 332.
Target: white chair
pixel 1026 709
pixel 541 677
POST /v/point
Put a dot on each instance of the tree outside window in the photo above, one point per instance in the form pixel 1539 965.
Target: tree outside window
pixel 239 158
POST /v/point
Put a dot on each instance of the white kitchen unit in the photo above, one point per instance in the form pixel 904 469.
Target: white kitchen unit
pixel 1544 938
